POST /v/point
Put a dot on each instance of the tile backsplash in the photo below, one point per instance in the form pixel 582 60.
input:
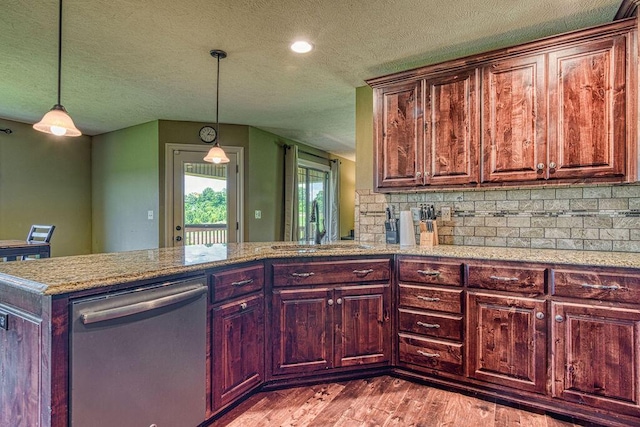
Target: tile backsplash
pixel 598 218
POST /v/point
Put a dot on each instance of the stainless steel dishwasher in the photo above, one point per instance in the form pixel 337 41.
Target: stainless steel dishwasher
pixel 139 358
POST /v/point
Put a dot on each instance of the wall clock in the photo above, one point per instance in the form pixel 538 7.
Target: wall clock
pixel 208 134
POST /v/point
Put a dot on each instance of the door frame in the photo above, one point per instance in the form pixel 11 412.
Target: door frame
pixel 168 186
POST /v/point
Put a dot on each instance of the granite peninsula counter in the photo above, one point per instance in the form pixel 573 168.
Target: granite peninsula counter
pixel 64 275
pixel 430 314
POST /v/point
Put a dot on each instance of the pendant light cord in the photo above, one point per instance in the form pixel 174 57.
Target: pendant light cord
pixel 59 50
pixel 217 103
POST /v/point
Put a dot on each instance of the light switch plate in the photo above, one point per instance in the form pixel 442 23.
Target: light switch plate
pixel 415 214
pixel 445 213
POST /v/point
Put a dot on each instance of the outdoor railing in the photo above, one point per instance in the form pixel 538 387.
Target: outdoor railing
pixel 203 234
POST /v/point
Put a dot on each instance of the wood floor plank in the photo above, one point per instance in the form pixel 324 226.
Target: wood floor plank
pixel 324 395
pixel 421 406
pixel 341 404
pixel 384 391
pixel 462 410
pixel 382 401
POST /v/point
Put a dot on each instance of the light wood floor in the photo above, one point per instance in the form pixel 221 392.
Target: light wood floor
pixel 381 401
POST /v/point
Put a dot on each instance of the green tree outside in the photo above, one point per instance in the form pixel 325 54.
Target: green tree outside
pixel 208 207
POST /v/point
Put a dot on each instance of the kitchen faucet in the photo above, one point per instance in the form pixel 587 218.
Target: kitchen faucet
pixel 315 218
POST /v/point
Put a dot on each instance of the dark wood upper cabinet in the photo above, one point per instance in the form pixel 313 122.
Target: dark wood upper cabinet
pixel 452 129
pixel 587 109
pixel 513 116
pixel 560 109
pixel 399 132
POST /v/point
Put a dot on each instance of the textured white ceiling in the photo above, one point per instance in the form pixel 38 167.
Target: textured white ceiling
pixel 127 62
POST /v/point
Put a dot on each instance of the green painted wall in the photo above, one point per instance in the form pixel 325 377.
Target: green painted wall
pixel 347 195
pixel 45 179
pixel 364 138
pixel 125 187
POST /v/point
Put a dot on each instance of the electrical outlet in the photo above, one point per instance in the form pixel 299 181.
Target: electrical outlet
pixel 258 214
pixel 445 212
pixel 415 214
pixel 149 214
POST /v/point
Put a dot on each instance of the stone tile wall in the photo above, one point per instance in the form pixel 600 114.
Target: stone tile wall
pixel 598 218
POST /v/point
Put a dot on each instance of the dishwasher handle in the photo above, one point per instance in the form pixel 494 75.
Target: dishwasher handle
pixel 140 307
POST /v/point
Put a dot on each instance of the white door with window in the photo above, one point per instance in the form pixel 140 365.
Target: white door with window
pixel 203 200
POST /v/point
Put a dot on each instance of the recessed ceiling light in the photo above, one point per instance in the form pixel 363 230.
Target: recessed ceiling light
pixel 301 47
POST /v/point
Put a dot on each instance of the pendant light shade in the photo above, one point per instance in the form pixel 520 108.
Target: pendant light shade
pixel 216 154
pixel 57 121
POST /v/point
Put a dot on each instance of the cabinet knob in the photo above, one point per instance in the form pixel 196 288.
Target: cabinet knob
pixel 540 166
pixel 339 301
pixel 330 302
pixel 243 306
pixel 552 165
pixel 539 315
pixel 418 174
pixel 559 318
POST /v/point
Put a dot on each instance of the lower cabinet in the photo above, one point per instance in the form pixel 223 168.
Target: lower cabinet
pixel 330 327
pixel 238 348
pixel 507 340
pixel 597 356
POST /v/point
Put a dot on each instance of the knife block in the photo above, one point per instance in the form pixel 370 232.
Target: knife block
pixel 428 239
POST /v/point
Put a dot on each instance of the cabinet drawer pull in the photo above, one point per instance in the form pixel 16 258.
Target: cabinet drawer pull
pixel 428 273
pixel 242 282
pixel 602 287
pixel 243 306
pixel 303 275
pixel 425 354
pixel 430 299
pixel 363 272
pixel 428 325
pixel 504 279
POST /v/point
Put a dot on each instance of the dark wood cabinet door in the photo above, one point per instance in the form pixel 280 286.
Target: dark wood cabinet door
pixel 362 325
pixel 507 340
pixel 452 129
pixel 398 126
pixel 238 352
pixel 302 330
pixel 513 116
pixel 21 385
pixel 587 110
pixel 597 356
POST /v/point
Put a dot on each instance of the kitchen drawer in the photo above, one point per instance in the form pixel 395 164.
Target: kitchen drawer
pixel 424 271
pixel 520 278
pixel 429 353
pixel 431 324
pixel 240 281
pixel 320 273
pixel 428 298
pixel 617 287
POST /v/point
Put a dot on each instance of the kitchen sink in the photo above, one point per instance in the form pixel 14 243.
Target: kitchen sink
pixel 314 248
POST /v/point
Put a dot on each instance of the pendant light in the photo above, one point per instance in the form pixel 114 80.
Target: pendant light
pixel 216 154
pixel 57 121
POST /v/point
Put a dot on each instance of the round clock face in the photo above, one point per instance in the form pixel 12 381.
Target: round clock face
pixel 208 134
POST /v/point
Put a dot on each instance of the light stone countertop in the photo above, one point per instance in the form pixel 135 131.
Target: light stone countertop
pixel 62 275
